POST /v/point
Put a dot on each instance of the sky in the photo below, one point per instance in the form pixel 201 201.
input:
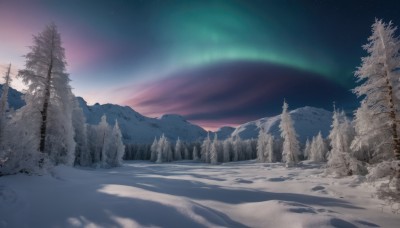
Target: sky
pixel 217 63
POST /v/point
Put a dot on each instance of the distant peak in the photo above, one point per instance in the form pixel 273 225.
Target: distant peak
pixel 172 117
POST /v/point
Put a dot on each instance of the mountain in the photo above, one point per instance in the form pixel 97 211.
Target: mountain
pixel 223 132
pixel 308 121
pixel 136 128
pixel 15 99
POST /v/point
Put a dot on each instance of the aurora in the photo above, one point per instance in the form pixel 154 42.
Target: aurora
pixel 117 50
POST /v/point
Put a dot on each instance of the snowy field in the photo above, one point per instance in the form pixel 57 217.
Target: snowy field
pixel 144 194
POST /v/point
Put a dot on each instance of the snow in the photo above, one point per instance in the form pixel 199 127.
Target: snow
pixel 187 194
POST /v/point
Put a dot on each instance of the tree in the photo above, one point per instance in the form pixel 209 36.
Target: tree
pixel 195 154
pixel 379 77
pixel 291 148
pixel 340 161
pixel 318 149
pixel 48 97
pixel 226 148
pixel 269 149
pixel 205 149
pixel 261 146
pixel 82 153
pixel 178 150
pixel 116 150
pixel 4 108
pixel 307 149
pixel 214 151
pixel 186 152
pixel 153 150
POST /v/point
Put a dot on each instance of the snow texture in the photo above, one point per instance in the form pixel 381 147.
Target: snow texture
pixel 184 194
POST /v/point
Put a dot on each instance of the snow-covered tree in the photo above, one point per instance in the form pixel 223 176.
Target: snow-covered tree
pixel 186 152
pixel 178 150
pixel 261 146
pixel 82 153
pixel 48 97
pixel 164 152
pixel 269 149
pixel 307 149
pixel 116 148
pixel 214 151
pixel 340 161
pixel 154 150
pixel 3 109
pixel 318 149
pixel 291 148
pixel 379 76
pixel 195 154
pixel 226 148
pixel 237 148
pixel 205 149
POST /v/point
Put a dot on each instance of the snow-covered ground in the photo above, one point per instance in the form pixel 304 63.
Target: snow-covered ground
pixel 144 194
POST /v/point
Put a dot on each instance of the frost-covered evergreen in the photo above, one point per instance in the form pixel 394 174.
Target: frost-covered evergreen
pixel 269 149
pixel 226 148
pixel 164 152
pixel 379 77
pixel 178 150
pixel 116 148
pixel 318 149
pixel 205 149
pixel 340 161
pixel 82 152
pixel 48 109
pixel 195 154
pixel 154 150
pixel 261 146
pixel 307 149
pixel 291 148
pixel 214 151
pixel 3 110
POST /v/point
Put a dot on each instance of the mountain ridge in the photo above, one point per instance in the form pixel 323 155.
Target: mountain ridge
pixel 137 128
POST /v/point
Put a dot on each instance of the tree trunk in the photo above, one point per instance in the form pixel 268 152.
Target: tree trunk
pixel 3 104
pixel 43 126
pixel 44 112
pixel 392 111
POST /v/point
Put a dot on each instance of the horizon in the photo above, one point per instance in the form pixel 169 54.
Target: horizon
pixel 216 63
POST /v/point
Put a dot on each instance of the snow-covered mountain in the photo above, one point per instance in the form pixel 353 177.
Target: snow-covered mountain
pixel 308 121
pixel 15 100
pixel 137 128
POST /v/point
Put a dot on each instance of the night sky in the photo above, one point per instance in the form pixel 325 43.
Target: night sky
pixel 214 62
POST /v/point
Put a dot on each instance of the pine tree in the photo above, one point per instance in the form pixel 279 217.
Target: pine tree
pixel 340 161
pixel 318 149
pixel 178 150
pixel 3 109
pixel 186 152
pixel 48 97
pixel 379 76
pixel 227 148
pixel 117 148
pixel 205 149
pixel 82 152
pixel 195 154
pixel 153 150
pixel 261 146
pixel 307 149
pixel 291 146
pixel 214 151
pixel 269 149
